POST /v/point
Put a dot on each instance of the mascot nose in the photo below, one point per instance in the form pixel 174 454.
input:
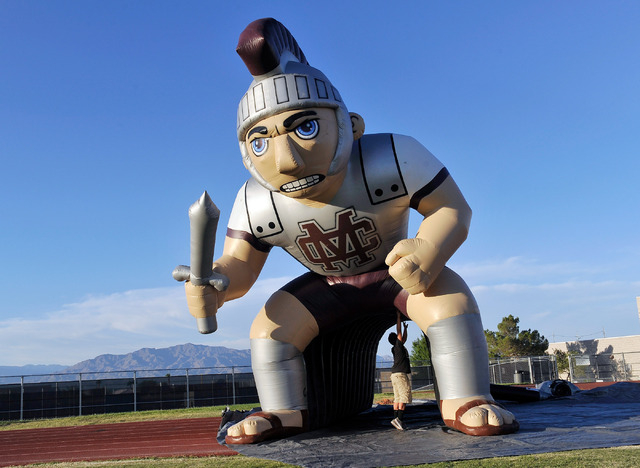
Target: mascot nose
pixel 288 161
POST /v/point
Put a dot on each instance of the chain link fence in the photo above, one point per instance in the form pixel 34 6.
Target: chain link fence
pixel 523 370
pixel 60 395
pixel 605 367
pixel 421 377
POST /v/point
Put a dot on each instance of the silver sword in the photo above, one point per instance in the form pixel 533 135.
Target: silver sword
pixel 203 218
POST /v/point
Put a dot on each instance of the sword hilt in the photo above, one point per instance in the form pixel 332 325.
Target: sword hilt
pixel 208 323
pixel 217 280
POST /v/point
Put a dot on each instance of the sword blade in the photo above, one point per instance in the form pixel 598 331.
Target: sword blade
pixel 203 217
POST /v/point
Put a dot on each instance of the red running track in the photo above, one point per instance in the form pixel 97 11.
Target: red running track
pixel 170 438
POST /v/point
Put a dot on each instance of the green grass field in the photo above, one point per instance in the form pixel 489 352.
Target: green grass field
pixel 619 457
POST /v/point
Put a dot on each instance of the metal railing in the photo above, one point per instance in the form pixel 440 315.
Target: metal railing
pixel 75 394
pixel 605 367
pixel 523 370
pixel 421 377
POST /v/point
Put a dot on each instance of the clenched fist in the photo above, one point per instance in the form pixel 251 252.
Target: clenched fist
pixel 411 264
pixel 203 301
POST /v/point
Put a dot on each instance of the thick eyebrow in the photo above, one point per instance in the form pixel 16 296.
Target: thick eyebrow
pixel 261 130
pixel 288 122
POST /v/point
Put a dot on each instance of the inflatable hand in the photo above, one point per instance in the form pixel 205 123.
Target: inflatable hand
pixel 203 302
pixel 204 296
pixel 410 264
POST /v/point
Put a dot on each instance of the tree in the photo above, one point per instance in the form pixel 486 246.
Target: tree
pixel 562 361
pixel 509 341
pixel 420 352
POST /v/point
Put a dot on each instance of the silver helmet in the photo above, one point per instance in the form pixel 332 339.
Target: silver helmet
pixel 283 80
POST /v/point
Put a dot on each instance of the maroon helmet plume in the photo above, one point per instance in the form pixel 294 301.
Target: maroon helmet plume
pixel 262 43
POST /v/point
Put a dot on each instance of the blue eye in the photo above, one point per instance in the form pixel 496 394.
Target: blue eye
pixel 308 129
pixel 259 146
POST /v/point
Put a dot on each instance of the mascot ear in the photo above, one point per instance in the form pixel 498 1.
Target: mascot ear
pixel 357 125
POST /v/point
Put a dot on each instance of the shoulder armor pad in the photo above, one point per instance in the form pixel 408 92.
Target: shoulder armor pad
pixel 261 211
pixel 380 168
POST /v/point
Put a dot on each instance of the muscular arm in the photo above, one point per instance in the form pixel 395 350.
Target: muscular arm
pixel 242 264
pixel 415 263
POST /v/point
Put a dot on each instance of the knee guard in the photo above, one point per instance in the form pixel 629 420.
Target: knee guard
pixel 459 356
pixel 280 375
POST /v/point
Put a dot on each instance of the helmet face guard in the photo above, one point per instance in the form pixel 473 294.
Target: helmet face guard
pixel 283 81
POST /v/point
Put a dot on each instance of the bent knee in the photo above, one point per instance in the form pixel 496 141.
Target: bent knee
pixel 449 296
pixel 284 318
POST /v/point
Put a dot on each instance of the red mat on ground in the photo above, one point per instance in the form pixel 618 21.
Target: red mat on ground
pixel 172 438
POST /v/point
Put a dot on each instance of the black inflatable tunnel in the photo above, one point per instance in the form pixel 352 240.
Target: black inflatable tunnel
pixel 341 368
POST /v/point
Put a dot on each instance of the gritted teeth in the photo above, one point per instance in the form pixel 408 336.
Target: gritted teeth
pixel 301 184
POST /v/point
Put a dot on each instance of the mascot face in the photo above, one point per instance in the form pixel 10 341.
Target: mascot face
pixel 293 151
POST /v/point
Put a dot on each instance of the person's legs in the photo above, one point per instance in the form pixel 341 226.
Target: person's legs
pixel 396 396
pixel 401 408
pixel 401 396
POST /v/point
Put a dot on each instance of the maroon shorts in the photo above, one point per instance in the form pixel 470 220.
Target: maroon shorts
pixel 336 300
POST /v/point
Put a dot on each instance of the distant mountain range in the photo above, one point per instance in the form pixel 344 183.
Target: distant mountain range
pixel 32 369
pixel 176 357
pixel 180 356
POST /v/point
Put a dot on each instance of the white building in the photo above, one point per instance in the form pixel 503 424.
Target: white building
pixel 620 344
pixel 605 359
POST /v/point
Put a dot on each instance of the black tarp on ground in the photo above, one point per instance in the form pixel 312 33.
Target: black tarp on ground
pixel 602 417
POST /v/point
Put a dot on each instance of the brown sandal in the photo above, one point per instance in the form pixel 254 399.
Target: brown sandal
pixel 277 431
pixel 486 430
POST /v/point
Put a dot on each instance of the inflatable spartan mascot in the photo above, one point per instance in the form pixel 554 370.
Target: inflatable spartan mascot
pixel 338 201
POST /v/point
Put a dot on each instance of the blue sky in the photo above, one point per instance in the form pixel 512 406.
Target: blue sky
pixel 115 116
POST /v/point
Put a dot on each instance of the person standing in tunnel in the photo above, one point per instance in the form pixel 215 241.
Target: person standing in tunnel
pixel 400 374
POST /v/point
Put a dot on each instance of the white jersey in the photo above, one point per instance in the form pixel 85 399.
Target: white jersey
pixel 387 174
